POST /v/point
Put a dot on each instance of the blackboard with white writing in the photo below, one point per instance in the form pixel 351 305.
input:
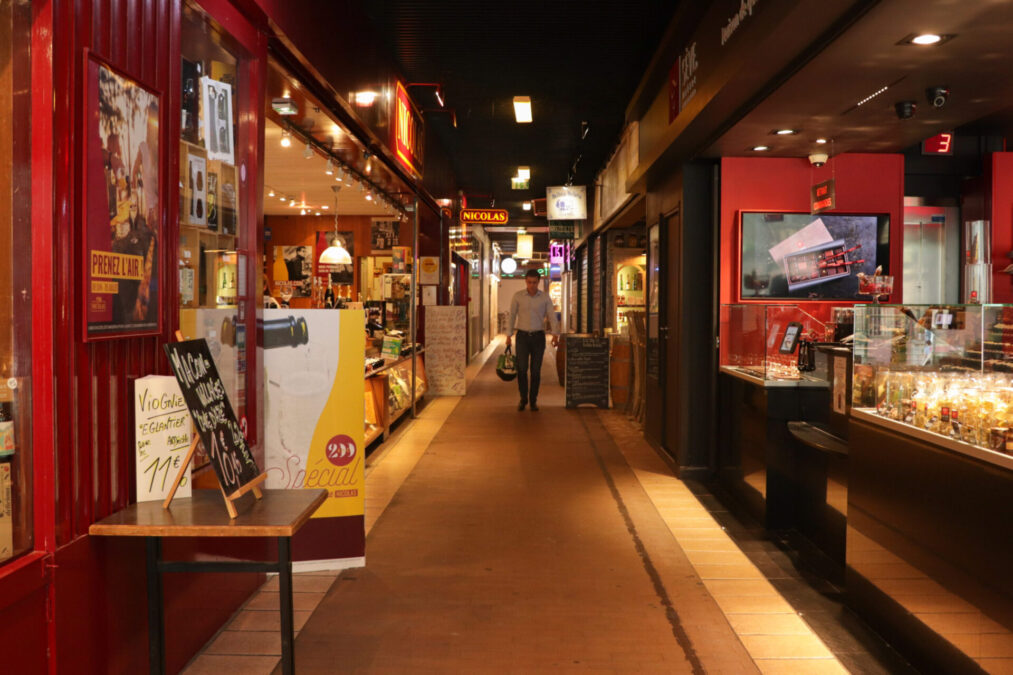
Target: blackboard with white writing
pixel 587 371
pixel 212 413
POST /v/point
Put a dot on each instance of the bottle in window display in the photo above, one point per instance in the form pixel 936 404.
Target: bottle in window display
pixel 7 442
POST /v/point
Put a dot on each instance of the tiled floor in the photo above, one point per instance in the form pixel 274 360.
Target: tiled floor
pixel 532 542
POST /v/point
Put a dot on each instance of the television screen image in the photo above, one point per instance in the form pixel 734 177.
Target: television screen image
pixel 810 257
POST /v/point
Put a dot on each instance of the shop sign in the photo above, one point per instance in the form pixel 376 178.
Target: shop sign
pixel 561 230
pixel 408 132
pixel 429 269
pixel 556 253
pixel 940 144
pixel 744 12
pixel 566 202
pixel 485 216
pixel 682 81
pixel 824 196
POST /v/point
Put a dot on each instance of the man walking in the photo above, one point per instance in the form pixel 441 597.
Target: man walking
pixel 528 311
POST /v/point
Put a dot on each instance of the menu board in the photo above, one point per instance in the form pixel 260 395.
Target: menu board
pixel 162 433
pixel 446 350
pixel 587 371
pixel 204 393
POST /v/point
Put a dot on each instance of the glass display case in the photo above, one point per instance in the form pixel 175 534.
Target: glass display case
pixel 944 372
pixel 761 340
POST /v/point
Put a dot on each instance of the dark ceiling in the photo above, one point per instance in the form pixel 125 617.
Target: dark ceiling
pixel 578 60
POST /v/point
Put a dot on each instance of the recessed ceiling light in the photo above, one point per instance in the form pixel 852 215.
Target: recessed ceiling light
pixel 522 109
pixel 785 132
pixel 759 148
pixel 821 141
pixel 325 207
pixel 369 197
pixel 926 39
pixel 282 198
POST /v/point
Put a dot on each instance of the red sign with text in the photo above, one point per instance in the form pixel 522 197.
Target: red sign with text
pixel 408 132
pixel 824 196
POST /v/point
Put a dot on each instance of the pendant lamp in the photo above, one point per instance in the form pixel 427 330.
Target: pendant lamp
pixel 335 254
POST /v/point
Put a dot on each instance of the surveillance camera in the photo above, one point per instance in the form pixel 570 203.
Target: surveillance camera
pixel 905 109
pixel 937 96
pixel 818 159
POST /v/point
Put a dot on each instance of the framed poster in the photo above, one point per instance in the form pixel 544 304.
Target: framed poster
pixel 121 205
pixel 384 235
pixel 293 267
pixel 228 198
pixel 193 166
pixel 216 119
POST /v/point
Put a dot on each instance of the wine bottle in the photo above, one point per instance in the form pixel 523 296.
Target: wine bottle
pixel 288 332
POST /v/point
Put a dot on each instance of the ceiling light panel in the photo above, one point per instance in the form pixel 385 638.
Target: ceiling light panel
pixel 522 109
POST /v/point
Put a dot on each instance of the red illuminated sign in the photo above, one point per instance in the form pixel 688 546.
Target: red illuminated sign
pixel 408 132
pixel 824 196
pixel 485 216
pixel 940 144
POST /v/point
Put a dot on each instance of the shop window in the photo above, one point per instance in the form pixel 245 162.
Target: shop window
pixel 211 279
pixel 15 284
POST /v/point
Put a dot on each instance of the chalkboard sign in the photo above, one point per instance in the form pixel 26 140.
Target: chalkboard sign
pixel 212 414
pixel 587 371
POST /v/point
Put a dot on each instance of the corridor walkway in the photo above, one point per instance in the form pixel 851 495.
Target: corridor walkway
pixel 529 542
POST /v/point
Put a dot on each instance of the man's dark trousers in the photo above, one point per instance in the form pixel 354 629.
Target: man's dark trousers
pixel 529 345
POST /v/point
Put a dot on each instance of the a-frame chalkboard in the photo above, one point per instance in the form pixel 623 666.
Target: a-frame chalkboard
pixel 215 421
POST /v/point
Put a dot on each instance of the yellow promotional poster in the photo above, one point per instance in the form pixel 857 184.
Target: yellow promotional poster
pixel 315 424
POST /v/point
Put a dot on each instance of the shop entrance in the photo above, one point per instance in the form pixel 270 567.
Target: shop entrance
pixel 657 331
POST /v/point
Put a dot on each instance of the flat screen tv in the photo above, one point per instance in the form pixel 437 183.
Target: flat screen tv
pixel 800 256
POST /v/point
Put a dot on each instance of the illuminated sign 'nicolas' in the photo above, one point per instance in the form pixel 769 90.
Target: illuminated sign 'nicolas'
pixel 485 216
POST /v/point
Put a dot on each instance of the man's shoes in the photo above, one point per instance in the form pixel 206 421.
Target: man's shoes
pixel 534 407
pixel 520 406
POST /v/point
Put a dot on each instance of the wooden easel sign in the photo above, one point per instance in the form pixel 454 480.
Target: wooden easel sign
pixel 215 421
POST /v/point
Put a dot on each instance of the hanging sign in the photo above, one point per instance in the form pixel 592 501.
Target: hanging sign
pixel 561 230
pixel 485 216
pixel 408 132
pixel 566 202
pixel 824 196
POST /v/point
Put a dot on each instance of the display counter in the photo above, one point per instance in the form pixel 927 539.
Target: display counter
pixel 760 390
pixel 388 393
pixel 930 497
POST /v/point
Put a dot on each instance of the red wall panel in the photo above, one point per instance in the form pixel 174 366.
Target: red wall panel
pixel 98 621
pixel 866 183
pixel 1002 225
